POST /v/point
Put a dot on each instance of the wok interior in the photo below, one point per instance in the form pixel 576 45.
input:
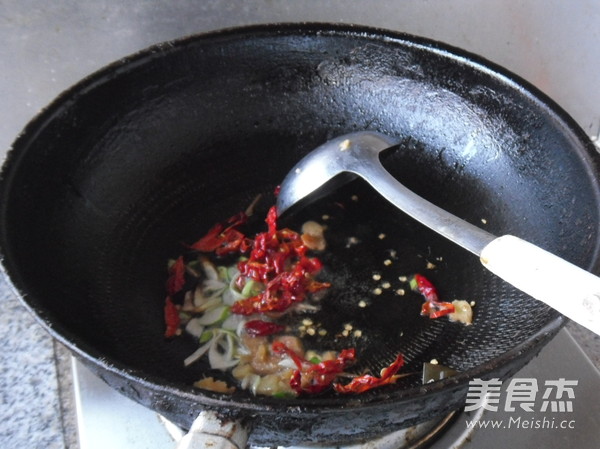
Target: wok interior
pixel 110 186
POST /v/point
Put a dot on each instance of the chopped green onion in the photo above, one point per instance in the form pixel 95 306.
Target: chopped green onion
pixel 209 269
pixel 206 336
pixel 194 265
pixel 232 322
pixel 202 298
pixel 232 294
pixel 221 351
pixel 198 353
pixel 214 316
pixel 223 273
pixel 232 272
pixel 413 284
pixel 284 395
pixel 252 288
pixel 193 327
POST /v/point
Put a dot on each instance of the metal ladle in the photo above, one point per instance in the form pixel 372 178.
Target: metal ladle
pixel 529 268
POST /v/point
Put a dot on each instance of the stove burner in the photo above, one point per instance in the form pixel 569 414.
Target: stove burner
pixel 415 437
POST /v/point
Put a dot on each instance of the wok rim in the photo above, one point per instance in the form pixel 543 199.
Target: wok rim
pixel 90 355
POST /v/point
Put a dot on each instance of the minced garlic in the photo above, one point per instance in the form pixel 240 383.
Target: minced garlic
pixel 312 235
pixel 210 383
pixel 463 312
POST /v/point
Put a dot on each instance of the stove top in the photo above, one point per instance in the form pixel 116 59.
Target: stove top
pixel 554 402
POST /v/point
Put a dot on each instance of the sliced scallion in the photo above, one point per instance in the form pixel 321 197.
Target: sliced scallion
pixel 251 288
pixel 214 316
pixel 197 354
pixel 193 327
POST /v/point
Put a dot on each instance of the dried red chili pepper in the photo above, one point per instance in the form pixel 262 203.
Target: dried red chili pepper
pixel 437 309
pixel 285 290
pixel 172 319
pixel 278 259
pixel 272 220
pixel 260 328
pixel 176 279
pixel 281 348
pixel 315 378
pixel 432 307
pixel 224 238
pixel 421 284
pixel 211 240
pixel 366 382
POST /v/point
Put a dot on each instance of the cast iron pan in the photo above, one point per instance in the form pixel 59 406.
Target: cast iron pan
pixel 107 183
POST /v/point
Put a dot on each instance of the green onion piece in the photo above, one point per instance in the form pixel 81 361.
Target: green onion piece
pixel 198 353
pixel 284 395
pixel 252 288
pixel 414 286
pixel 184 316
pixel 194 265
pixel 206 336
pixel 223 273
pixel 232 272
pixel 221 352
pixel 214 316
pixel 193 328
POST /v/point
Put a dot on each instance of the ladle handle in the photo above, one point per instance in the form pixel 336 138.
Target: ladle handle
pixel 563 286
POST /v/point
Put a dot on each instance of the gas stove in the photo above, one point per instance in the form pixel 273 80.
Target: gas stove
pixel 509 416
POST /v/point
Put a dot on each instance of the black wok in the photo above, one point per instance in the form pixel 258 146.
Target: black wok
pixel 105 184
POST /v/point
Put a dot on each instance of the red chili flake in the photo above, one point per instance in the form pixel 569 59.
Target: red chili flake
pixel 176 279
pixel 366 382
pixel 224 238
pixel 421 284
pixel 315 378
pixel 432 307
pixel 211 240
pixel 260 328
pixel 278 259
pixel 172 319
pixel 272 220
pixel 437 309
pixel 281 348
